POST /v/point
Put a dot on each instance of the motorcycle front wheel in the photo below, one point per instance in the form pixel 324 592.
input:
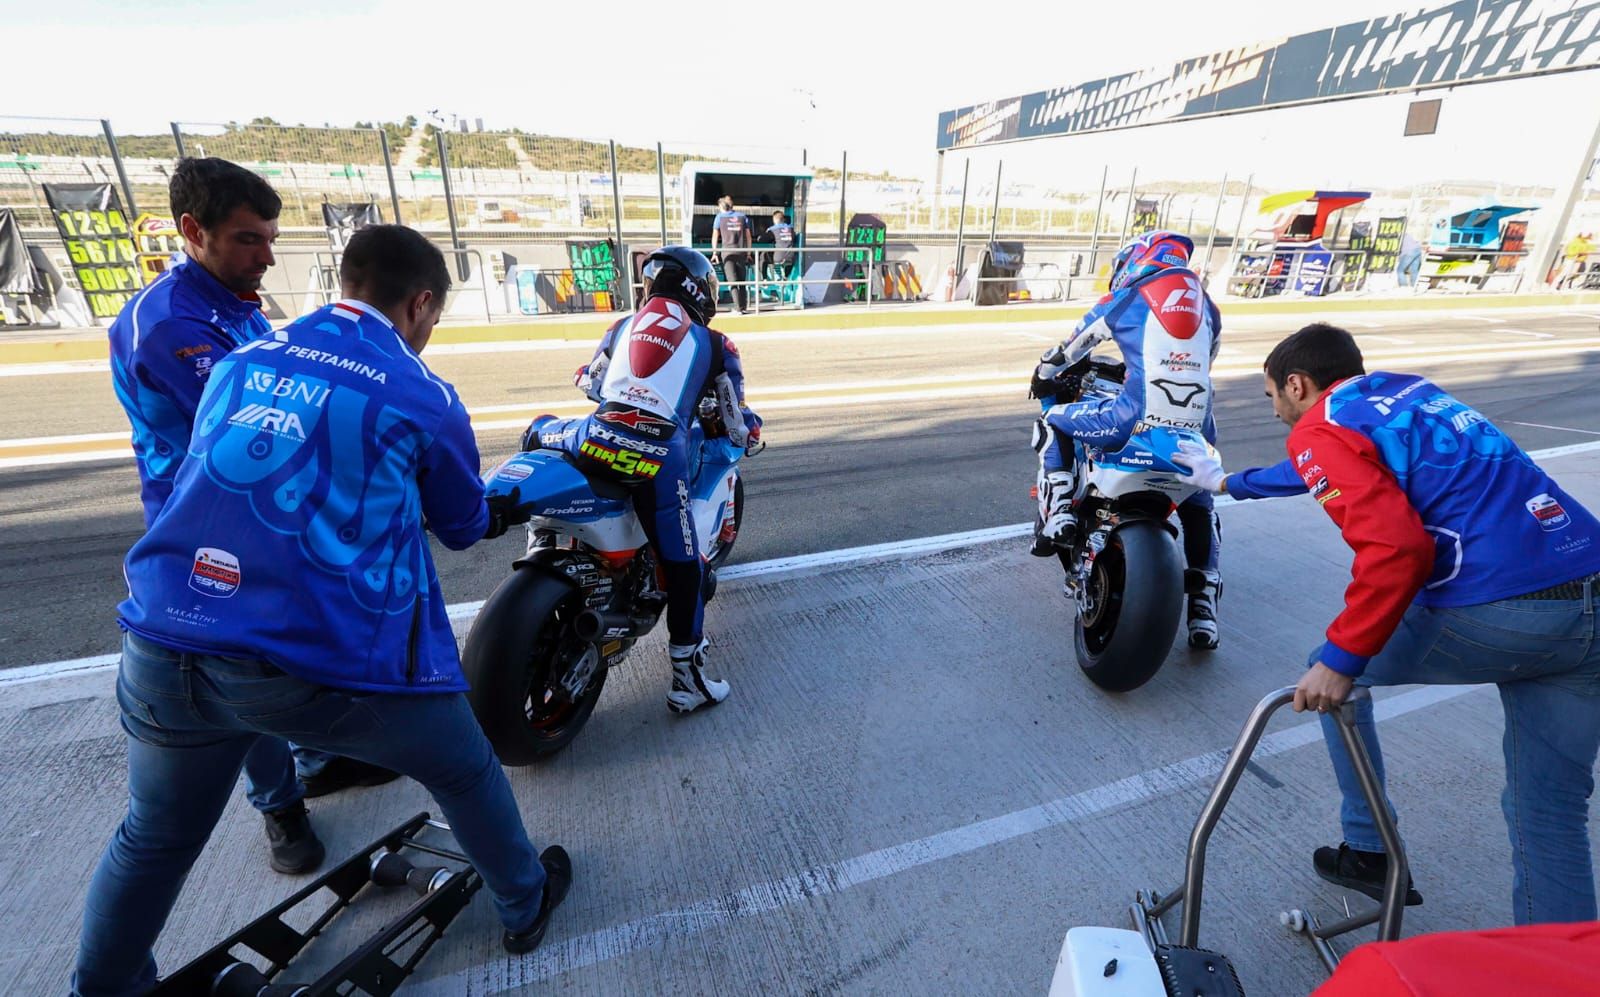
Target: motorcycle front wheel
pixel 1129 611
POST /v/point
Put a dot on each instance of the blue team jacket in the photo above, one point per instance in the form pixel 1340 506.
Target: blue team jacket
pixel 164 345
pixel 294 533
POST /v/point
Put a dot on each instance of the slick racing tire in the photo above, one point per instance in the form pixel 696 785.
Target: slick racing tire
pixel 1132 602
pixel 516 652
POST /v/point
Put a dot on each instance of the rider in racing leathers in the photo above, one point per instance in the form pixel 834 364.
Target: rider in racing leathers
pixel 649 374
pixel 1168 330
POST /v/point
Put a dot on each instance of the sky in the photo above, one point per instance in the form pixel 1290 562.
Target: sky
pixel 826 76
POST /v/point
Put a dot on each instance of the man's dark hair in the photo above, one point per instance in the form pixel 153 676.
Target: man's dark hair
pixel 781 215
pixel 1325 353
pixel 388 264
pixel 210 189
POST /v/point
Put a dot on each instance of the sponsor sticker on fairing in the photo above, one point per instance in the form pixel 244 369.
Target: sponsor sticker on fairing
pixel 215 573
pixel 513 472
pixel 1548 513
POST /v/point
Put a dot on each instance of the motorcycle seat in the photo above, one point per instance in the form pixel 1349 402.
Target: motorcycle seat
pixel 602 481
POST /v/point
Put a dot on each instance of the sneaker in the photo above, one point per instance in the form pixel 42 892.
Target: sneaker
pixel 1359 871
pixel 1203 613
pixel 692 687
pixel 343 773
pixel 294 845
pixel 557 880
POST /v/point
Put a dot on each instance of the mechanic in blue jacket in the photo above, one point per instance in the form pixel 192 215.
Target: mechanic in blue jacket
pixel 287 589
pixel 164 345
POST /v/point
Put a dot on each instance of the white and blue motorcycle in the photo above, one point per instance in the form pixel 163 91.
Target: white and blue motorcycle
pixel 585 590
pixel 1124 567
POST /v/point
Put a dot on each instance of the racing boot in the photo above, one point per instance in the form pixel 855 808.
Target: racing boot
pixel 1203 613
pixel 1059 522
pixel 692 686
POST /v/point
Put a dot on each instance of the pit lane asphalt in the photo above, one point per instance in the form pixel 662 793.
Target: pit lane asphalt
pixel 855 457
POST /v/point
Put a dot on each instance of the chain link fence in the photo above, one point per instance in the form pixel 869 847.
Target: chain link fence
pixel 553 202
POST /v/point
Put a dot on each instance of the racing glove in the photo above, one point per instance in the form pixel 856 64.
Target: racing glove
pixel 504 513
pixel 1203 466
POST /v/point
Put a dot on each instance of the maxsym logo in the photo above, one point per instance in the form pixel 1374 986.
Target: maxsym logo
pixel 627 461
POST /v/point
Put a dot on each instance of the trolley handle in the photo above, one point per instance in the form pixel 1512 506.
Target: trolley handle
pixel 1394 887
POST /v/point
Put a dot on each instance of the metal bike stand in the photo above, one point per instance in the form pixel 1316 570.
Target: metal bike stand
pixel 1148 908
pixel 379 965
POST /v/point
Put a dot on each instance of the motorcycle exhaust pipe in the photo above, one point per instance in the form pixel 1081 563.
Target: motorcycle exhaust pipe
pixel 597 627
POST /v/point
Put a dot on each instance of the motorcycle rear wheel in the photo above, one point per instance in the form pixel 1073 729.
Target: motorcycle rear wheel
pixel 518 649
pixel 1126 624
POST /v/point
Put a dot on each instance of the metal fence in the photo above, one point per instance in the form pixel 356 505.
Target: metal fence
pixel 525 195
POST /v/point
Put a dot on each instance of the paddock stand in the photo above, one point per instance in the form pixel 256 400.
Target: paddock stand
pixel 379 965
pixel 1098 962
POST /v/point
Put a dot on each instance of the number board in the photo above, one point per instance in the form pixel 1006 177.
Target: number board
pixel 1386 245
pixel 1355 261
pixel 1146 216
pixel 99 242
pixel 594 265
pixel 868 231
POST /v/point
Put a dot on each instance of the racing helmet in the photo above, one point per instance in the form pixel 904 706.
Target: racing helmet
pixel 1146 254
pixel 685 276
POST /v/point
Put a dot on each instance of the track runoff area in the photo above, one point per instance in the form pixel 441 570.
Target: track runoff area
pixel 909 751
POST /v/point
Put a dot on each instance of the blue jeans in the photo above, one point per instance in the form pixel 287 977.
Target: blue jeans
pixel 192 718
pixel 271 770
pixel 1545 658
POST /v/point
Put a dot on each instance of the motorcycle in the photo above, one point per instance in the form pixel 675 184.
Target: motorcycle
pixel 1124 568
pixel 585 590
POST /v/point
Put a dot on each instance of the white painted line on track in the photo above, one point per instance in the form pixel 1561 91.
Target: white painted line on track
pixel 912 390
pixel 1564 429
pixel 460 611
pixel 1524 332
pixel 501 975
pixel 1388 339
pixel 80 457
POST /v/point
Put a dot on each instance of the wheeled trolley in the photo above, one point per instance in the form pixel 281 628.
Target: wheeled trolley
pixel 1144 962
pixel 380 964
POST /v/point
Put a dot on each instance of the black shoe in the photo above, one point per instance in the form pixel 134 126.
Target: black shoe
pixel 557 880
pixel 342 773
pixel 1359 871
pixel 294 845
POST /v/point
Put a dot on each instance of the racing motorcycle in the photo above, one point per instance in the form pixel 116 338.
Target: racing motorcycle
pixel 1124 568
pixel 585 590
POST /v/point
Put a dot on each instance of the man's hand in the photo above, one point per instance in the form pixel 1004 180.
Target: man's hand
pixel 1205 470
pixel 1322 689
pixel 504 514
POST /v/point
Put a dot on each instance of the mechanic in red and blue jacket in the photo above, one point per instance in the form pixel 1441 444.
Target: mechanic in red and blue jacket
pixel 1471 565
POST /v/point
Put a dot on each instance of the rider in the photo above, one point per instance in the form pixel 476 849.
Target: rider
pixel 648 375
pixel 1168 330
